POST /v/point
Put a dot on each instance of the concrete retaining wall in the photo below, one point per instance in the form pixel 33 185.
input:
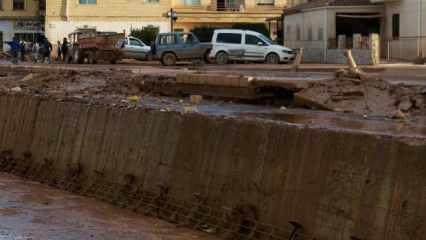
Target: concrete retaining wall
pixel 336 56
pixel 336 184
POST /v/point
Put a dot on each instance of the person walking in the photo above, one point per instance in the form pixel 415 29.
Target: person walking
pixel 45 50
pixel 22 47
pixel 35 52
pixel 14 49
pixel 59 52
pixel 64 49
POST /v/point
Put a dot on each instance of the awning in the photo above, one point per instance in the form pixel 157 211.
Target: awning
pixel 359 16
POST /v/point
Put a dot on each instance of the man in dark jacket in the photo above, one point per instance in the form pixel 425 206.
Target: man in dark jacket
pixel 45 49
pixel 64 49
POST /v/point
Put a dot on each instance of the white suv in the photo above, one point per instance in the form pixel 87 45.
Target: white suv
pixel 232 44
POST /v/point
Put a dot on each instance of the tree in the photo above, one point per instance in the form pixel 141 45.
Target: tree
pixel 204 33
pixel 146 34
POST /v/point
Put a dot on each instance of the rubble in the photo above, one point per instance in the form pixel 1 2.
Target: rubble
pixel 195 99
pixel 350 91
pixel 355 91
pixel 373 97
pixel 16 89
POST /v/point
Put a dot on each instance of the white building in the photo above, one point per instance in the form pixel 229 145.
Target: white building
pixel 405 34
pixel 315 25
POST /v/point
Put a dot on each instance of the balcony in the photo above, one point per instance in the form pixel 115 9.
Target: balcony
pixel 383 1
pixel 215 5
pixel 227 5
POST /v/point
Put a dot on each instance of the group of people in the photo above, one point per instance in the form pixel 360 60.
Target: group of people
pixel 41 50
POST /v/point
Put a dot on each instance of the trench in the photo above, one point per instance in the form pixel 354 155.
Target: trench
pixel 240 178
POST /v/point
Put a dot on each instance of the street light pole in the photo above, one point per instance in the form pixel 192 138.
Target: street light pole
pixel 173 17
pixel 421 29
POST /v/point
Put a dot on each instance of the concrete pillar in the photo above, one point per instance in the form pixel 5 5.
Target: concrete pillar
pixel 375 48
pixel 341 42
pixel 357 41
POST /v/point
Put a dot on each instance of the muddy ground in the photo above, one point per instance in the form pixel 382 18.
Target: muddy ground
pixel 348 103
pixel 321 91
pixel 31 211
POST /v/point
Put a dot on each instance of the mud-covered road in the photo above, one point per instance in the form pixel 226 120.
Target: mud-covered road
pixel 31 211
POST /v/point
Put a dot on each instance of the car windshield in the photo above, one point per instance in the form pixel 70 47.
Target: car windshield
pixel 265 38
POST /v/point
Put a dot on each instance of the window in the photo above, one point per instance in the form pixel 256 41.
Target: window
pixel 151 1
pixel 1 7
pixel 253 40
pixel 135 42
pixel 87 1
pixel 18 4
pixel 310 33
pixel 192 2
pixel 188 38
pixel 395 26
pixel 234 38
pixel 320 34
pixel 265 2
pixel 167 39
pixel 27 37
pixel 288 30
pixel 298 32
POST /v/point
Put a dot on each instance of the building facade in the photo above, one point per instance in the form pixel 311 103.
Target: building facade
pixel 316 24
pixel 325 28
pixel 64 16
pixel 225 13
pixel 21 19
pixel 405 34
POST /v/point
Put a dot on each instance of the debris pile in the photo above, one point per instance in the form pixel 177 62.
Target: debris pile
pixel 358 92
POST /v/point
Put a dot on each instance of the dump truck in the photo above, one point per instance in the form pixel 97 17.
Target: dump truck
pixel 90 46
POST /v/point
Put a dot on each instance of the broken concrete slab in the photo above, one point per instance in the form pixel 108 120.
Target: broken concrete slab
pixel 371 97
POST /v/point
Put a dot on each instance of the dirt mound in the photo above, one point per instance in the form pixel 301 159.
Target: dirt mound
pixel 372 97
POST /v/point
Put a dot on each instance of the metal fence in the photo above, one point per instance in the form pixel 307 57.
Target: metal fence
pixel 405 48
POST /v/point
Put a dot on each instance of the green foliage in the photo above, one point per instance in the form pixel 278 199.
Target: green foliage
pixel 204 33
pixel 146 34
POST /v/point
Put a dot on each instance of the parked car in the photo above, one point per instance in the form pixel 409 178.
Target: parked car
pixel 172 47
pixel 244 45
pixel 134 48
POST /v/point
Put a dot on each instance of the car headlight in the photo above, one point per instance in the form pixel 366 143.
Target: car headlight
pixel 287 51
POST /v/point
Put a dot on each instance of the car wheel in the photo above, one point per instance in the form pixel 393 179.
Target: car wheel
pixel 222 58
pixel 168 59
pixel 272 58
pixel 76 56
pixel 207 58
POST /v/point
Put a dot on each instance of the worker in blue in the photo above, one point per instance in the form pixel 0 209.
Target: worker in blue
pixel 15 47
